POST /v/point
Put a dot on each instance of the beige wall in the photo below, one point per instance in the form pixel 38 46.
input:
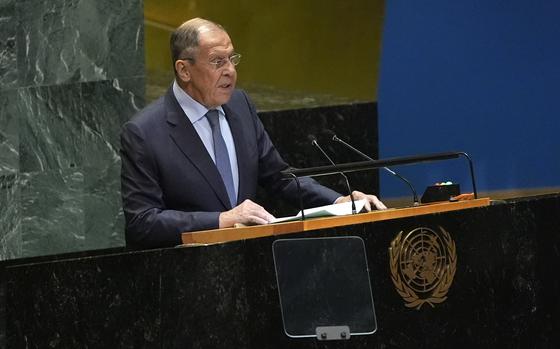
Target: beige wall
pixel 322 47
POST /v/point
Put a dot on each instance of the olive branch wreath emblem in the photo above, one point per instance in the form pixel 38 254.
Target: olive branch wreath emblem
pixel 439 293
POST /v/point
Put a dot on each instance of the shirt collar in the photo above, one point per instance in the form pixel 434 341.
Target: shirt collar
pixel 193 109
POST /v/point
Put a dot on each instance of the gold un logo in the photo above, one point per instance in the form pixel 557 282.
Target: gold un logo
pixel 423 265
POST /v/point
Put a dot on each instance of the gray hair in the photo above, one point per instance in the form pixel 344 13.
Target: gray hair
pixel 184 40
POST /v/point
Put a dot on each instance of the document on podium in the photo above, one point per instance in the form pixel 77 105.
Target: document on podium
pixel 341 209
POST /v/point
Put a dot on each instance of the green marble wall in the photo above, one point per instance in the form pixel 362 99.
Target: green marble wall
pixel 71 73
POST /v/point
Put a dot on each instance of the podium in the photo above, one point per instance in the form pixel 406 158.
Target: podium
pixel 243 233
pixel 450 275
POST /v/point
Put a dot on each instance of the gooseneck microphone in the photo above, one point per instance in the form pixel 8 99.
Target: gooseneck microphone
pixel 415 196
pixel 314 142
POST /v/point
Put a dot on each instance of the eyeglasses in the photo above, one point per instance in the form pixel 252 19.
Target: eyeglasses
pixel 220 62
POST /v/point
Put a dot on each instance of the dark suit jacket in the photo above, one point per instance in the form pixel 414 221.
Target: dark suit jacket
pixel 171 185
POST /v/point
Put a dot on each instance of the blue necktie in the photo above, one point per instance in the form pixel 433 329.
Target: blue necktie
pixel 222 156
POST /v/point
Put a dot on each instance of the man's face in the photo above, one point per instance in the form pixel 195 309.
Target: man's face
pixel 208 83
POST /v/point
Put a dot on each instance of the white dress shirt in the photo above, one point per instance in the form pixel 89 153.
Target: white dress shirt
pixel 196 113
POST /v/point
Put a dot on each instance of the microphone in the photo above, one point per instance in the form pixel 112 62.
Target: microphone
pixel 414 195
pixel 314 142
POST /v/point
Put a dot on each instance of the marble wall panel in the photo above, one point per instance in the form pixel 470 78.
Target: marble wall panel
pixel 8 63
pixel 64 41
pixel 68 158
pixel 107 105
pixel 292 130
pixel 71 73
pixel 187 292
pixel 10 218
pixel 111 39
pixel 50 127
pixel 80 301
pixel 9 134
pixel 2 311
pixel 103 216
pixel 52 212
pixel 548 304
pixel 48 42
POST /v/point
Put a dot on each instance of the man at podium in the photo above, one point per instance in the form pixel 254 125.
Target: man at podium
pixel 192 160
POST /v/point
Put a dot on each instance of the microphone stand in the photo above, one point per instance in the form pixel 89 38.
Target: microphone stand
pixel 314 142
pixel 414 195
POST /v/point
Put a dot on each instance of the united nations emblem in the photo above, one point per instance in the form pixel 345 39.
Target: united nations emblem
pixel 423 265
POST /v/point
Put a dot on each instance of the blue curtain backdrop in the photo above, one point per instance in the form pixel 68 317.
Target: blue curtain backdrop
pixel 475 76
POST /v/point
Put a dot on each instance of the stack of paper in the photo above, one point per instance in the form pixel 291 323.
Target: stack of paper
pixel 342 209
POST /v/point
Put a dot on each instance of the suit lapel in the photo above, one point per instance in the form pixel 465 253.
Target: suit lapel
pixel 187 140
pixel 236 126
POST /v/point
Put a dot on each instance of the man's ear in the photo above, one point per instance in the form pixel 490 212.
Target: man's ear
pixel 183 70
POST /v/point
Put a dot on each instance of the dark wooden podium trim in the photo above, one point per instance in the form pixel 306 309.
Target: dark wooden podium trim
pixel 250 232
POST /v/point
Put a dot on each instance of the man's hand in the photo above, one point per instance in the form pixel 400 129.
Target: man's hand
pixel 371 200
pixel 247 213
